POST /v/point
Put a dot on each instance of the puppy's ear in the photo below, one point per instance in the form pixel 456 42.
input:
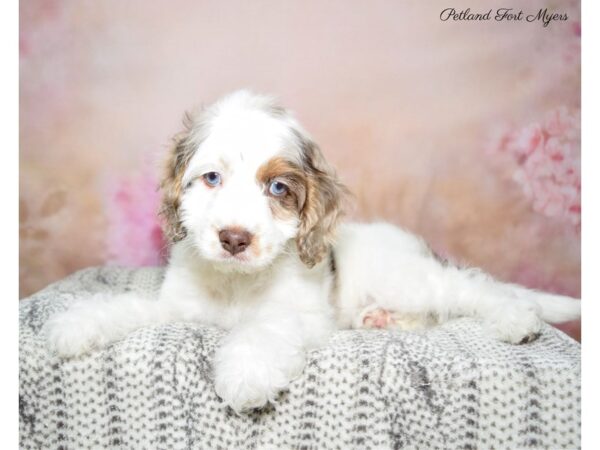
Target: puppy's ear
pixel 178 158
pixel 323 207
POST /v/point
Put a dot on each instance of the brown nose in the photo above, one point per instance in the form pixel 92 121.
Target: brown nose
pixel 234 240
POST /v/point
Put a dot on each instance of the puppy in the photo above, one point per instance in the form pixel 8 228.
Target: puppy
pixel 253 210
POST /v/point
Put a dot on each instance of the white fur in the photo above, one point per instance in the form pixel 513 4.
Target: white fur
pixel 275 306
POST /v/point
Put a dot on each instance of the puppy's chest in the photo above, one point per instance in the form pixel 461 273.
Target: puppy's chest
pixel 232 302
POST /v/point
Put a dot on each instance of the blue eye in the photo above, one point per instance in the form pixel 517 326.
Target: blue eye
pixel 212 179
pixel 278 189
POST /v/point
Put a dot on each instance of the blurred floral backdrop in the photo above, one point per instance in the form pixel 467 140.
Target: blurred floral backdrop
pixel 465 132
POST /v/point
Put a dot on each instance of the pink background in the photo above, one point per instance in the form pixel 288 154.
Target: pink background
pixel 464 132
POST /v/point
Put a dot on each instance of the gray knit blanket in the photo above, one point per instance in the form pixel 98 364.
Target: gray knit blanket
pixel 447 387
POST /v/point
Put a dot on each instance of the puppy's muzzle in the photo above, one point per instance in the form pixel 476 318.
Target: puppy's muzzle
pixel 235 240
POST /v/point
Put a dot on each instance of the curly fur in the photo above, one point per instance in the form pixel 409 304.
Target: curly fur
pixel 297 272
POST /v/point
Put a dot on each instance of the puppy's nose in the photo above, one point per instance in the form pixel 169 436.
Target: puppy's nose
pixel 234 240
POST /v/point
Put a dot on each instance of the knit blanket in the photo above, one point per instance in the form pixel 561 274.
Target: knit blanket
pixel 447 387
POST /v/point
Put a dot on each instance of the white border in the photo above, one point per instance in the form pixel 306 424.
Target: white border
pixel 590 224
pixel 9 93
pixel 590 15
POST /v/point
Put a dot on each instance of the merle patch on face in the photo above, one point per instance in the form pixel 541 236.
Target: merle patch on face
pixel 292 176
pixel 306 194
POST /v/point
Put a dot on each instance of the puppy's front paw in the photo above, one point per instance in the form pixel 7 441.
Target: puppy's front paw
pixel 72 333
pixel 516 323
pixel 248 377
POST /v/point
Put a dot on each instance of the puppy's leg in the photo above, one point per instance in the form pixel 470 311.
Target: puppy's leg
pixel 373 316
pixel 260 358
pixel 511 313
pixel 442 293
pixel 100 320
pixel 383 265
pixel 507 317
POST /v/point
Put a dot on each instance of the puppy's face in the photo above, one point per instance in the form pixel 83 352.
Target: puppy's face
pixel 243 181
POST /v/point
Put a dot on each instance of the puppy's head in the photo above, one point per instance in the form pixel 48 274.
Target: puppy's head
pixel 243 180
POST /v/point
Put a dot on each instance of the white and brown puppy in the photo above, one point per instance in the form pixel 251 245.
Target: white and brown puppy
pixel 252 209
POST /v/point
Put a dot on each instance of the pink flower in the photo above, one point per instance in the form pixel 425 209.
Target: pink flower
pixel 547 163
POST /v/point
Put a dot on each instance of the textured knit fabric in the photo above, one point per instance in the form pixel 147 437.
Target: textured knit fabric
pixel 448 387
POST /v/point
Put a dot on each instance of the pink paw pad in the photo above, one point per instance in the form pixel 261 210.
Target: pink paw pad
pixel 377 318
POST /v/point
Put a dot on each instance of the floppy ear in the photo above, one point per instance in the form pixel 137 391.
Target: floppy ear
pixel 178 158
pixel 323 206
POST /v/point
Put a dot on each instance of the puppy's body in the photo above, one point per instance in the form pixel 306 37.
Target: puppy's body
pixel 253 209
